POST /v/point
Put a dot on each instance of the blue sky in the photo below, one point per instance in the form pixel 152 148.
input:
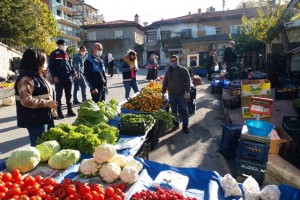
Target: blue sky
pixel 154 10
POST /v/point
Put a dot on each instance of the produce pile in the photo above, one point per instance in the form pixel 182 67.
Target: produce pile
pixel 81 137
pixel 150 99
pixel 15 187
pixel 110 166
pixel 6 85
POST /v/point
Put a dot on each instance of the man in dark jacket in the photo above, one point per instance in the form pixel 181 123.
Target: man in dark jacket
pixel 62 73
pixel 178 83
pixel 229 54
pixel 95 74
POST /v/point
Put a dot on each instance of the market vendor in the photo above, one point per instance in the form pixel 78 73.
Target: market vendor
pixel 34 95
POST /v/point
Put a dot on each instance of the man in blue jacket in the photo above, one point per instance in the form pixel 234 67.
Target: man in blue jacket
pixel 79 81
pixel 95 74
pixel 62 73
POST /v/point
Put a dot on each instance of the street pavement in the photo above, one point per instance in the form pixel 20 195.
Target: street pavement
pixel 198 149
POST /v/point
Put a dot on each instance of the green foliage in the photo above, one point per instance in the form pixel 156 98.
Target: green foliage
pixel 71 50
pixel 27 23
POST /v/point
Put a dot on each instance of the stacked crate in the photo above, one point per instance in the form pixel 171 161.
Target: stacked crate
pixel 252 155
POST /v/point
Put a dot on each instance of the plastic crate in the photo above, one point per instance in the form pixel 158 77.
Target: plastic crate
pixel 253 151
pixel 297 109
pixel 235 91
pixel 226 84
pixel 144 150
pixel 114 122
pixel 216 89
pixel 290 151
pixel 291 125
pixel 250 168
pixel 286 95
pixel 229 141
pixel 232 103
pixel 153 137
pixel 201 72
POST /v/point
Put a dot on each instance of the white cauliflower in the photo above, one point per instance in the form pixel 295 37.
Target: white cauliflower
pixel 230 186
pixel 132 162
pixel 270 192
pixel 129 174
pixel 251 189
pixel 110 172
pixel 104 152
pixel 89 166
pixel 119 159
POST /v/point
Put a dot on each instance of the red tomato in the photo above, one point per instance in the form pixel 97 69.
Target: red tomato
pixel 60 193
pixel 2 194
pixel 122 186
pixel 6 177
pixel 98 188
pixel 38 179
pixel 35 198
pixel 16 176
pixel 49 181
pixel 48 189
pixel 71 189
pixel 94 194
pixel 29 180
pixel 8 185
pixel 109 192
pixel 33 189
pixel 40 193
pixel 23 197
pixel 116 197
pixel 24 192
pixel 84 189
pixel 66 182
pixel 50 196
pixel 87 196
pixel 3 188
pixel 117 191
pixel 99 197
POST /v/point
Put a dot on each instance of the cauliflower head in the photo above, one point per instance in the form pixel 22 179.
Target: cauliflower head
pixel 129 174
pixel 270 192
pixel 230 186
pixel 89 167
pixel 134 163
pixel 110 172
pixel 118 159
pixel 104 152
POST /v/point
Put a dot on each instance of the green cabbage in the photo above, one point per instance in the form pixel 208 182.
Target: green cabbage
pixel 64 159
pixel 24 159
pixel 47 149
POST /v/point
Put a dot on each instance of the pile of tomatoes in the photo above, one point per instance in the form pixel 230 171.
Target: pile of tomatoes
pixel 160 193
pixel 14 187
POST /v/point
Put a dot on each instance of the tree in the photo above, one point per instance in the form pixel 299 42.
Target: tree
pixel 265 27
pixel 252 3
pixel 71 50
pixel 27 23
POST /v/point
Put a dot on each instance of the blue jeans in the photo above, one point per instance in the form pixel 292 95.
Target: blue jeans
pixel 36 132
pixel 79 83
pixel 177 100
pixel 128 85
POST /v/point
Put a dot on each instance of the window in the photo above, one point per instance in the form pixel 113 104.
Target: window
pixel 235 28
pixel 69 5
pixel 151 36
pixel 118 34
pixel 165 35
pixel 58 1
pixel 186 33
pixel 210 30
pixel 92 35
pixel 58 12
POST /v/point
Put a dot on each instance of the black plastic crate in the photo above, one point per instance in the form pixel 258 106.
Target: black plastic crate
pixel 290 151
pixel 216 89
pixel 153 137
pixel 144 150
pixel 135 129
pixel 229 141
pixel 232 103
pixel 297 108
pixel 286 95
pixel 255 151
pixel 250 168
pixel 291 125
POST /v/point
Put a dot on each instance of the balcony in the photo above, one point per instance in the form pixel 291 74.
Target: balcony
pixel 68 21
pixel 66 8
pixel 71 35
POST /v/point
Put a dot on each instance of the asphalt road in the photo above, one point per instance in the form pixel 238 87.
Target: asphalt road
pixel 198 149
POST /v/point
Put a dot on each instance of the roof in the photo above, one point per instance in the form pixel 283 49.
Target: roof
pixel 237 13
pixel 112 24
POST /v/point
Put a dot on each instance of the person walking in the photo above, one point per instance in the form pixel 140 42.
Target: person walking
pixel 79 81
pixel 178 83
pixel 210 64
pixel 152 67
pixel 62 73
pixel 129 67
pixel 34 95
pixel 95 74
pixel 110 64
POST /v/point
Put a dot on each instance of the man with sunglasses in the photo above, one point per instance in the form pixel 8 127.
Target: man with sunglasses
pixel 178 83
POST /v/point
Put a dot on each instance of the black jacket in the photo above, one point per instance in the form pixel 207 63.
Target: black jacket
pixel 60 65
pixel 229 55
pixel 29 117
pixel 126 71
pixel 94 73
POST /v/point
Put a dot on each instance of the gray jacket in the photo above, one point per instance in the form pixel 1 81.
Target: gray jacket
pixel 177 81
pixel 78 64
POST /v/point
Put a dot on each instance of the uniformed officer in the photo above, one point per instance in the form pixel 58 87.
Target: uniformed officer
pixel 62 73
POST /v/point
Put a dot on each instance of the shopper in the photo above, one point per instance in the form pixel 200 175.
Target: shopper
pixel 79 81
pixel 210 64
pixel 193 62
pixel 110 64
pixel 62 73
pixel 229 54
pixel 34 95
pixel 95 74
pixel 152 67
pixel 177 82
pixel 129 67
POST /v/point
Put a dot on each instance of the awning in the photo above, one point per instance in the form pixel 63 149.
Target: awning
pixel 294 50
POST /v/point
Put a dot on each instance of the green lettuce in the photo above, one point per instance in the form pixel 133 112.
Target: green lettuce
pixel 64 159
pixel 47 149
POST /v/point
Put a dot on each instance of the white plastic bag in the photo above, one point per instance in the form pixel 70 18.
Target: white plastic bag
pixel 251 189
pixel 230 186
pixel 270 192
pixel 214 104
pixel 9 101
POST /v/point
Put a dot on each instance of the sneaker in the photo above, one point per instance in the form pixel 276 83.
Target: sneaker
pixel 76 102
pixel 185 129
pixel 175 127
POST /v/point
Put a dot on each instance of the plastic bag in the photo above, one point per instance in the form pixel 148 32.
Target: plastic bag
pixel 251 189
pixel 270 192
pixel 230 186
pixel 214 104
pixel 9 101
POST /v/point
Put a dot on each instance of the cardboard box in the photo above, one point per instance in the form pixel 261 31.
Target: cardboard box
pixel 275 144
pixel 246 104
pixel 256 87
